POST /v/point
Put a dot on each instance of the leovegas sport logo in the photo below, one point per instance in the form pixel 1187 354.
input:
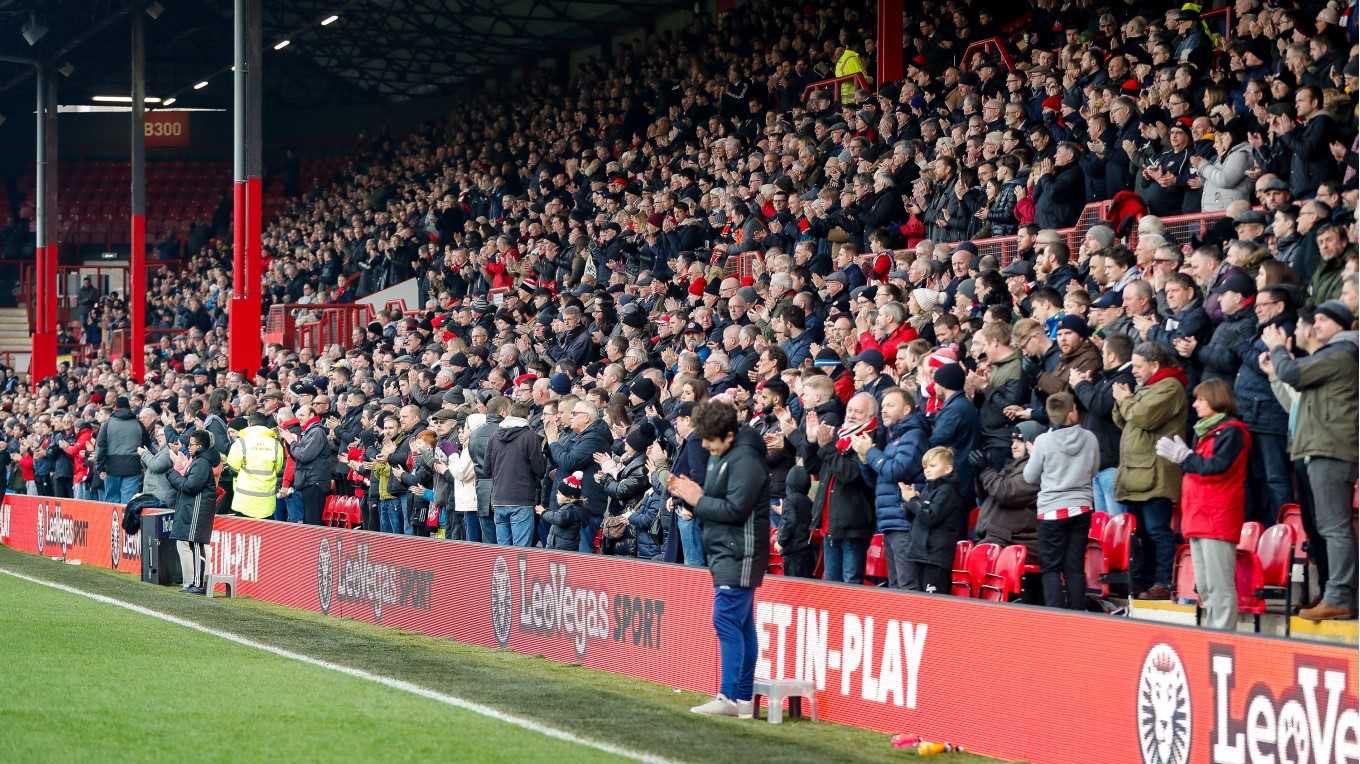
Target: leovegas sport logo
pixel 56 529
pixel 551 607
pixel 1313 722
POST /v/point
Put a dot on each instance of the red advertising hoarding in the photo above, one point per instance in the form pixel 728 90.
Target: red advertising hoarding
pixel 1004 680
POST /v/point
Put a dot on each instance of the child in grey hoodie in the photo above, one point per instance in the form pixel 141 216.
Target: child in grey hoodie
pixel 1064 462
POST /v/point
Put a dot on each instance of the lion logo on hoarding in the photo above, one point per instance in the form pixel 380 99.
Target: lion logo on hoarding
pixel 1164 707
pixel 501 606
pixel 42 529
pixel 115 543
pixel 325 575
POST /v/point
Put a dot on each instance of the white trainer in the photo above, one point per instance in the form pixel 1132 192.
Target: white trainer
pixel 719 706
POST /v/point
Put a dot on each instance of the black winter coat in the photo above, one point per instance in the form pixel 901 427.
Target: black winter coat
pixel 1059 197
pixel 1096 399
pixel 576 452
pixel 939 519
pixel 1310 156
pixel 795 530
pixel 735 513
pixel 515 459
pixel 1256 403
pixel 564 526
pixel 1223 355
pixel 846 490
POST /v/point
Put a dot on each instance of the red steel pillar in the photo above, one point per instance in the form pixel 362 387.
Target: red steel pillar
pixel 243 324
pixel 889 42
pixel 42 362
pixel 137 262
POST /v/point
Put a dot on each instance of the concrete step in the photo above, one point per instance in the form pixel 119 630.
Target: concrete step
pixel 1272 622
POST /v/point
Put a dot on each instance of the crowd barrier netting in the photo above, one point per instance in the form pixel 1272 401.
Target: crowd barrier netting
pixel 1009 681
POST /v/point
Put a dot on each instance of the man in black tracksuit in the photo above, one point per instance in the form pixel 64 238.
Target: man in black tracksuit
pixel 734 505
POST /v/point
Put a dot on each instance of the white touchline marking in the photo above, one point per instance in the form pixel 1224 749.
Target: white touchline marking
pixel 396 684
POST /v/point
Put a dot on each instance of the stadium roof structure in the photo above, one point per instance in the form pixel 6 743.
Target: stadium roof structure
pixel 374 51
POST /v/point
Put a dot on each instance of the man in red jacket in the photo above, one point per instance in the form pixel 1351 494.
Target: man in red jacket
pixel 891 332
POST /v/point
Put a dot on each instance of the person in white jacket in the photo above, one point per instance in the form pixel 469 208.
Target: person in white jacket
pixel 1225 176
pixel 464 474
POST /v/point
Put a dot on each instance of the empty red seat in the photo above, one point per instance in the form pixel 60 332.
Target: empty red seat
pixel 1003 583
pixel 1183 577
pixel 1292 516
pixel 1274 558
pixel 979 564
pixel 1117 543
pixel 1251 533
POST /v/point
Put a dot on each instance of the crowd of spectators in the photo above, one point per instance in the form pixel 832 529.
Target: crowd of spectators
pixel 680 224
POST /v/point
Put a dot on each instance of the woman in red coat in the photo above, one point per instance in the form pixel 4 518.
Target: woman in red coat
pixel 1213 493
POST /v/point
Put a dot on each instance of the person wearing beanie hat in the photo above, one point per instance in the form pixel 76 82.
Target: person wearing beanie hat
pixel 1339 314
pixel 957 424
pixel 644 390
pixel 1101 235
pixel 640 438
pixel 925 299
pixel 566 518
pixel 560 384
pixel 950 377
pixel 1324 436
pixel 827 359
pixel 1075 324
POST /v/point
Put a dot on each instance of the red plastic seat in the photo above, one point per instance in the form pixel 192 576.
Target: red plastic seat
pixel 1249 582
pixel 1292 516
pixel 1274 558
pixel 331 515
pixel 961 551
pixel 1251 533
pixel 1003 583
pixel 959 574
pixel 980 562
pixel 973 520
pixel 1183 578
pixel 1098 522
pixel 1117 543
pixel 875 563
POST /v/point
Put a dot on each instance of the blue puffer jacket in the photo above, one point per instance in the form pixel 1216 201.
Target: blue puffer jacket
pixel 1256 404
pixel 956 427
pixel 643 519
pixel 898 462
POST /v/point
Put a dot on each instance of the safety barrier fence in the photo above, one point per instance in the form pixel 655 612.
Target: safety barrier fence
pixel 1003 680
pixel 314 327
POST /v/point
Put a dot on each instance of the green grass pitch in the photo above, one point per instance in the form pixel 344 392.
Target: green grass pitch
pixel 82 680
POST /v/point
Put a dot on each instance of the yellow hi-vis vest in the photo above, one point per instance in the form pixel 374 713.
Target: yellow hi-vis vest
pixel 258 458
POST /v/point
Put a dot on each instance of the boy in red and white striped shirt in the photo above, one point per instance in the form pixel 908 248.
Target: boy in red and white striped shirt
pixel 1064 462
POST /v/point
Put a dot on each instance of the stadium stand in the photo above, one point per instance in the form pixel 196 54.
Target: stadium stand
pixel 1121 204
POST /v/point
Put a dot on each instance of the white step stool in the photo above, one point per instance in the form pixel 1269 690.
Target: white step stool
pixel 228 581
pixel 776 690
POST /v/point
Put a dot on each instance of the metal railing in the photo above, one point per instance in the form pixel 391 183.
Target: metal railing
pixel 991 43
pixel 314 327
pixel 858 78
